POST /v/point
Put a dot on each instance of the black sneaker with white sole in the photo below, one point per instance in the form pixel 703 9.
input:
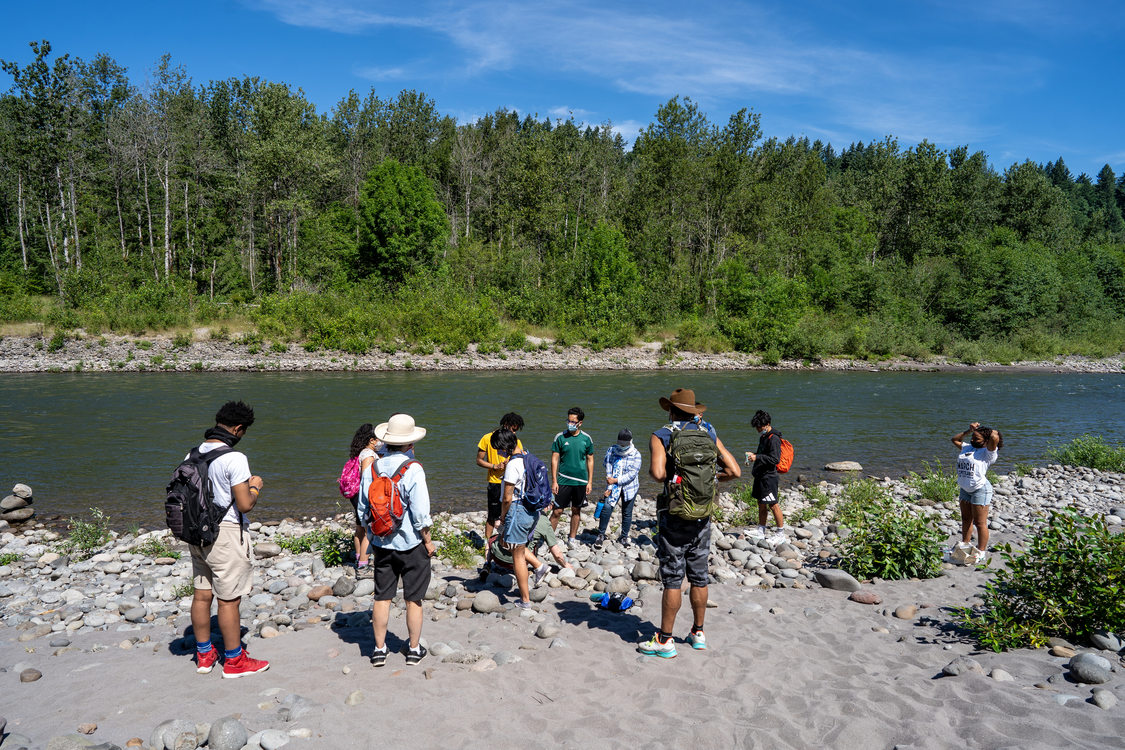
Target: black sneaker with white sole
pixel 413 657
pixel 379 658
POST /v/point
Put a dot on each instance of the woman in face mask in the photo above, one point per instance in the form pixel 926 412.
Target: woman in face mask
pixel 973 459
pixel 622 477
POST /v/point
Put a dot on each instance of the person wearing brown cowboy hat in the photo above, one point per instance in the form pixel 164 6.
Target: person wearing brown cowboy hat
pixel 683 544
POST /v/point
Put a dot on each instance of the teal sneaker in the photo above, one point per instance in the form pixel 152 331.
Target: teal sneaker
pixel 697 640
pixel 653 647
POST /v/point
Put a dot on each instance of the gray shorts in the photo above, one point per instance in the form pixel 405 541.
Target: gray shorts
pixel 683 547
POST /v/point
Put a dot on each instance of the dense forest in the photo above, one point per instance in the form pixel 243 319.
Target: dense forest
pixel 235 205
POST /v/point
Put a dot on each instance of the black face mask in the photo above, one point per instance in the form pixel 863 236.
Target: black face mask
pixel 223 434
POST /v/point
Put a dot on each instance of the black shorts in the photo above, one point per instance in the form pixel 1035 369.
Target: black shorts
pixel 683 547
pixel 570 495
pixel 494 501
pixel 765 488
pixel 390 565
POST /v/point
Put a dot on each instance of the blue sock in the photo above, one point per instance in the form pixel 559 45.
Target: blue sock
pixel 233 653
pixel 203 647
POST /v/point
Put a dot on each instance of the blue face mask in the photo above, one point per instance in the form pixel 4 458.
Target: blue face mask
pixel 571 427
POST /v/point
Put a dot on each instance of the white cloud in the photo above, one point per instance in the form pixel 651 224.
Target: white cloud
pixel 563 112
pixel 382 74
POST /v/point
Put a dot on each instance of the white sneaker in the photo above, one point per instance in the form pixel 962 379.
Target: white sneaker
pixel 959 553
pixel 777 539
pixel 758 532
pixel 572 543
pixel 541 573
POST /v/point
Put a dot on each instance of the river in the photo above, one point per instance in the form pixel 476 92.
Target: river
pixel 110 441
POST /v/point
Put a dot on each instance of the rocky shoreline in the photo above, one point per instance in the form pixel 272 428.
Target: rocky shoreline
pixel 54 608
pixel 112 353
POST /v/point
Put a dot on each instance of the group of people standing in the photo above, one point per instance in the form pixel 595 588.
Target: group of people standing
pixel 515 527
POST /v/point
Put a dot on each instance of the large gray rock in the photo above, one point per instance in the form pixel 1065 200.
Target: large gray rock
pixel 843 466
pixel 344 586
pixel 364 587
pixel 22 491
pixel 18 515
pixel 620 585
pixel 486 602
pixel 167 733
pixel 645 571
pixel 263 550
pixel 836 579
pixel 1106 641
pixel 1104 698
pixel 1090 669
pixel 227 733
pixel 11 502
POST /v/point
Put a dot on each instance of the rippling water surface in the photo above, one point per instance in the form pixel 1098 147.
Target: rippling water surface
pixel 112 440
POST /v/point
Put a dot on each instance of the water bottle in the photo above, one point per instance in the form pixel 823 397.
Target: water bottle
pixel 598 509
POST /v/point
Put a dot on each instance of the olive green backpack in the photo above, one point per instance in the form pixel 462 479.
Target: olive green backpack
pixel 693 485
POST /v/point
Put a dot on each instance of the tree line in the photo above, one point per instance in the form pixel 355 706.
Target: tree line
pixel 132 206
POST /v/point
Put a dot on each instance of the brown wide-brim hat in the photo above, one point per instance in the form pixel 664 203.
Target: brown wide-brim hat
pixel 684 400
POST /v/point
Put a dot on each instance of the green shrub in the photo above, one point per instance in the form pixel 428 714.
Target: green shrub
pixel 1022 468
pixel 153 547
pixel 331 544
pixel 454 545
pixel 934 484
pixel 1090 451
pixel 746 513
pixel 57 342
pixel 86 536
pixel 279 348
pixel 858 498
pixel 183 590
pixel 515 340
pixel 181 341
pixel 892 543
pixel 1066 584
pixel 488 347
pixel 9 557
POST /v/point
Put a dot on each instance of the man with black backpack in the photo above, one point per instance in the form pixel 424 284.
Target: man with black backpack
pixel 689 459
pixel 222 569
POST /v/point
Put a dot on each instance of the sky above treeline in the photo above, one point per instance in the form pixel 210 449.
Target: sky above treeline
pixel 1030 79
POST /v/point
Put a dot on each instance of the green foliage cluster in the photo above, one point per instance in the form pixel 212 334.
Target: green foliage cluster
pixel 332 544
pixel 86 537
pixel 454 545
pixel 382 207
pixel 936 485
pixel 9 557
pixel 1091 451
pixel 183 590
pixel 1067 584
pixel 153 547
pixel 886 540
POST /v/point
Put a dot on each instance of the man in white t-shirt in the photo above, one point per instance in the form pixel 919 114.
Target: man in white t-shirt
pixel 223 570
pixel 973 459
pixel 519 520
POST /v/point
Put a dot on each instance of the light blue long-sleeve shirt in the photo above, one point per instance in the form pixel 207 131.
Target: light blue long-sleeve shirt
pixel 625 464
pixel 415 497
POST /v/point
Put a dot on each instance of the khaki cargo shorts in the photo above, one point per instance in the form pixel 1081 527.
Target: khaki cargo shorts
pixel 225 565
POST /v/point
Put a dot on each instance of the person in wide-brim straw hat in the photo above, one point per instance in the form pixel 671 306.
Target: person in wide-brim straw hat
pixel 684 400
pixel 400 430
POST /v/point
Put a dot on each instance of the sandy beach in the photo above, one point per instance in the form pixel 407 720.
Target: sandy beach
pixel 791 664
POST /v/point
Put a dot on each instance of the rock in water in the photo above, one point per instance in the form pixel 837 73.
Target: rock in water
pixel 22 491
pixel 843 466
pixel 836 579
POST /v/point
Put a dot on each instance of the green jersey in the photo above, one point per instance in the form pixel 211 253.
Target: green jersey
pixel 572 450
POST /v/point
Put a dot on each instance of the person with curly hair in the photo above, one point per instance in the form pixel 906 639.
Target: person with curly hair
pixel 973 459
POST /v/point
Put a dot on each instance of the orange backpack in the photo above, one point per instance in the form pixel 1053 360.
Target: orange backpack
pixel 786 459
pixel 384 502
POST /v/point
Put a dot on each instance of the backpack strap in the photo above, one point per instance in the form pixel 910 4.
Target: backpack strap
pixel 397 476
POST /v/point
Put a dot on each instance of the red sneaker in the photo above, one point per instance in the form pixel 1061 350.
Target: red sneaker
pixel 205 662
pixel 242 665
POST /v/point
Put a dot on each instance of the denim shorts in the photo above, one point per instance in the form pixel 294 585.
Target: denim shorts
pixel 982 496
pixel 520 523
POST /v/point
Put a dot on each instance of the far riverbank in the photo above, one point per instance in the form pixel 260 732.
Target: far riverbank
pixel 112 353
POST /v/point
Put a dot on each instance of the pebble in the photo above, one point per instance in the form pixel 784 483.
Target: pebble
pixel 228 733
pixel 962 665
pixel 1000 675
pixel 906 612
pixel 546 630
pixel 1103 698
pixel 271 739
pixel 354 698
pixel 30 675
pixel 838 580
pixel 1090 669
pixel 1065 652
pixel 866 597
pixel 88 728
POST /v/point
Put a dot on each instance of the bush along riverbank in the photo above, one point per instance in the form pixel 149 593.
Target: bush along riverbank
pixel 187 353
pixel 96 589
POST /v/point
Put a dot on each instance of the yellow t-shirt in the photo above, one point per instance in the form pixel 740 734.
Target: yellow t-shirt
pixel 495 476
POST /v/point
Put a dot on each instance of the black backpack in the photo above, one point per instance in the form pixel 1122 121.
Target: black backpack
pixel 189 507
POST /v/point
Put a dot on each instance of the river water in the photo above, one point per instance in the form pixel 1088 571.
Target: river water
pixel 111 441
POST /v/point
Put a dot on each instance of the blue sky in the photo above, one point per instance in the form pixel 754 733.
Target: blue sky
pixel 1031 79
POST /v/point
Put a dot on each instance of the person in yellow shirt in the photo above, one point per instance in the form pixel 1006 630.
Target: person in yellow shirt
pixel 489 458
